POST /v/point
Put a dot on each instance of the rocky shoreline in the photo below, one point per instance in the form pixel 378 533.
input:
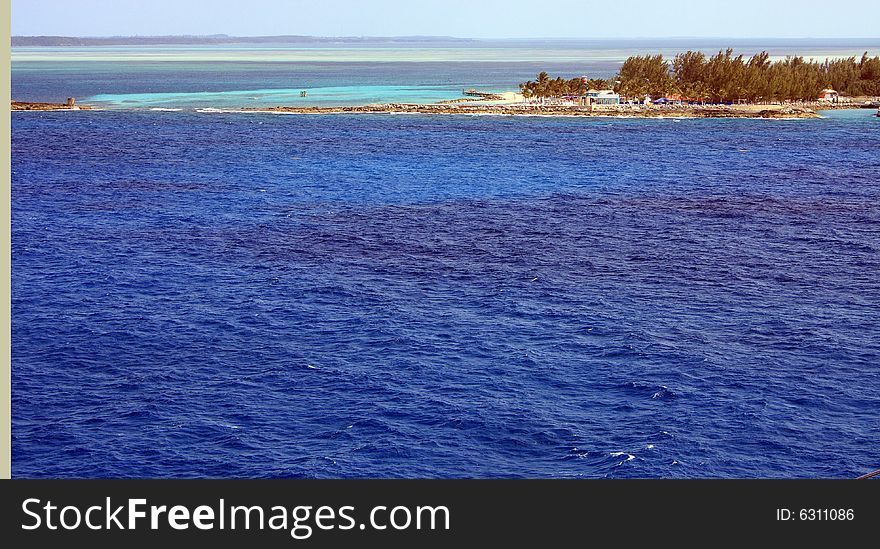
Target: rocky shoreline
pixel 31 106
pixel 510 109
pixel 637 111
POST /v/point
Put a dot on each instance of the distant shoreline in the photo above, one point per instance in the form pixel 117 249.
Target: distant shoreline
pixel 707 42
pixel 223 39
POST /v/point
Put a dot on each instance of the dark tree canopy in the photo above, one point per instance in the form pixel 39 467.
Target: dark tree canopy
pixel 544 86
pixel 724 77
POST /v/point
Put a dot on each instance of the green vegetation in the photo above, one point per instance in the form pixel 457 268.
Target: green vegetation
pixel 727 78
pixel 544 86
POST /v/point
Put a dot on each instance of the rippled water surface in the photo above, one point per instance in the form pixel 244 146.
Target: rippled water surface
pixel 405 295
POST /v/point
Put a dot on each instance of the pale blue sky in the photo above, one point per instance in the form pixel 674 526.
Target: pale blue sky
pixel 461 18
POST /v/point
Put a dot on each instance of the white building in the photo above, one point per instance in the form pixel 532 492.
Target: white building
pixel 603 97
pixel 829 95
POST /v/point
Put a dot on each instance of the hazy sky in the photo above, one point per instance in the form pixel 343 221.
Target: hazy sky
pixel 461 18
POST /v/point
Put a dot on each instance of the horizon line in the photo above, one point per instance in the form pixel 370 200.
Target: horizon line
pixel 444 37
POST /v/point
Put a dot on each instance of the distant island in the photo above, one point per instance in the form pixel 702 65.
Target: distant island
pixel 691 85
pixel 216 39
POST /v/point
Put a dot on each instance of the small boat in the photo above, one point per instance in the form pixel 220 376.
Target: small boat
pixel 878 113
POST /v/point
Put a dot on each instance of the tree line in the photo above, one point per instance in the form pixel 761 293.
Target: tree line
pixel 544 86
pixel 724 77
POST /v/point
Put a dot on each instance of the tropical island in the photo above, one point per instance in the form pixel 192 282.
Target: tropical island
pixel 691 85
pixel 723 78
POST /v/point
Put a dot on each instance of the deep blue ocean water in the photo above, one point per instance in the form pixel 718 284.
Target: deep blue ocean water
pixel 449 296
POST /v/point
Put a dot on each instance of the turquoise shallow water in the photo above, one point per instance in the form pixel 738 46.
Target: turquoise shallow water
pixel 334 95
pixel 338 74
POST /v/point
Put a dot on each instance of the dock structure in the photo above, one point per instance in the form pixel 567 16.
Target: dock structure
pixel 471 92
